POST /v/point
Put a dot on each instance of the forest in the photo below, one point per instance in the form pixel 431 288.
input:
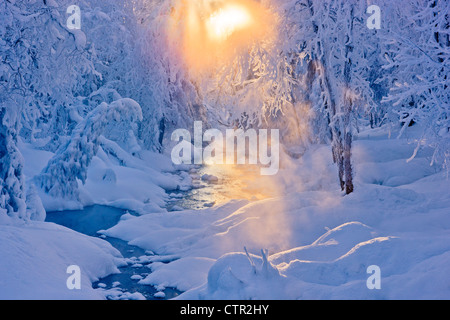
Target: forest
pixel 130 111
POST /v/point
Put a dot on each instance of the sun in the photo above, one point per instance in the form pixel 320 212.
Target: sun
pixel 209 34
pixel 226 21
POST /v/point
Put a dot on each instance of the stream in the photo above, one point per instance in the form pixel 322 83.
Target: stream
pixel 210 186
pixel 124 284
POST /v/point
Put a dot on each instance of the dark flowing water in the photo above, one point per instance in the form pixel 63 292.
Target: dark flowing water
pixel 92 219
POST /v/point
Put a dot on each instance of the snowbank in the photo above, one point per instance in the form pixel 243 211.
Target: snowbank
pixel 36 255
pixel 114 178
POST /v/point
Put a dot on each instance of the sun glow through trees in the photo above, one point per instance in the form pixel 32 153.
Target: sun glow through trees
pixel 213 32
pixel 226 21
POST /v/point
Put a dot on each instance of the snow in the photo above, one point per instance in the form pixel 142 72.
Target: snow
pixel 61 176
pixel 209 178
pixel 140 186
pixel 118 294
pixel 36 255
pixel 320 242
pixel 159 294
pixel 80 38
pixel 183 274
pixel 68 140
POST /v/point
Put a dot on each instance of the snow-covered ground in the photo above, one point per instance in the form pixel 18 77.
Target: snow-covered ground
pixel 319 243
pixel 35 257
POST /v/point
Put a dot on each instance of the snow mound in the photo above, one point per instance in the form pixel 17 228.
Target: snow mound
pixel 244 276
pixel 349 267
pixel 35 258
pixel 183 274
pixel 329 246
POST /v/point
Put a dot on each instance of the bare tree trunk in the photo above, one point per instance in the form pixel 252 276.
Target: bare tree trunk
pixel 348 109
pixel 338 158
pixel 347 163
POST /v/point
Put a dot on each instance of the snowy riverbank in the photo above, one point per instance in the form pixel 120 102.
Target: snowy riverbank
pixel 35 254
pixel 319 242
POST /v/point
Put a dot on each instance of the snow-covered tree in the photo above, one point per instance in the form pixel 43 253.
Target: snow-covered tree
pixel 317 71
pixel 12 181
pixel 417 53
pixel 167 92
pixel 44 66
pixel 70 164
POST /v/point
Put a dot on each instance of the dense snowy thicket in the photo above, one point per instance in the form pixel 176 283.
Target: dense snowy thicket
pixel 86 118
pixel 417 53
pixel 319 75
pixel 53 79
pixel 325 74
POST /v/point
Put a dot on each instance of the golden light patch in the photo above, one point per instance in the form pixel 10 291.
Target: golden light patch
pixel 213 32
pixel 226 21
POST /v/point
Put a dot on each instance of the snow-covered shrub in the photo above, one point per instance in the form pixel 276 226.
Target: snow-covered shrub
pixel 35 208
pixel 243 276
pixel 12 181
pixel 70 164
